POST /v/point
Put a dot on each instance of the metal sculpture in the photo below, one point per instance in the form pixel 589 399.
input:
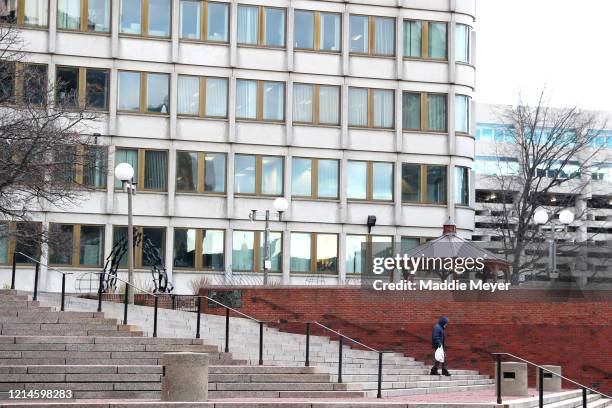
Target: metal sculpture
pixel 151 256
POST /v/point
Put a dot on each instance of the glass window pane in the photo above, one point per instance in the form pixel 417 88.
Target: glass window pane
pixel 190 19
pixel 217 22
pixel 276 250
pixel 304 29
pixel 67 92
pixel 213 250
pixel 130 13
pixel 411 182
pixel 436 184
pixel 462 43
pixel 327 253
pixel 188 95
pixel 411 110
pixel 382 250
pixel 248 24
pixel 327 178
pixel 214 173
pixel 408 243
pixel 94 169
pixel 329 36
pixel 119 235
pixel 243 256
pixel 97 84
pixel 329 105
pixel 10 12
pixel 216 97
pixel 129 90
pixel 275 27
pixel 383 108
pixel 126 156
pixel 384 36
pixel 186 171
pixel 357 180
pixel 157 93
pixel 272 175
pixel 359 34
pixel 157 236
pixel 462 186
pixel 436 112
pixel 91 250
pixel 184 248
pixel 244 174
pixel 98 15
pixel 27 241
pixel 34 88
pixel 382 182
pixel 302 103
pixel 354 255
pixel 155 170
pixel 412 39
pixel 246 99
pixel 159 18
pixel 300 252
pixel 358 106
pixel 4 240
pixel 35 13
pixel 60 247
pixel 69 14
pixel 462 113
pixel 273 101
pixel 437 40
pixel 7 80
pixel 301 177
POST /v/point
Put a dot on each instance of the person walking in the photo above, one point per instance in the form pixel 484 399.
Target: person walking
pixel 437 340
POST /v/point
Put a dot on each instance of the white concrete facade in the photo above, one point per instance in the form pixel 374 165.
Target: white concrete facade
pixel 173 132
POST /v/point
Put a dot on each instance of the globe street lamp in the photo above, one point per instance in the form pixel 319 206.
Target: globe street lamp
pixel 540 217
pixel 280 205
pixel 125 173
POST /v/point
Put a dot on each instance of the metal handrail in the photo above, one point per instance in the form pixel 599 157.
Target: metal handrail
pixel 552 372
pixel 127 283
pixel 40 263
pixel 232 309
pixel 347 337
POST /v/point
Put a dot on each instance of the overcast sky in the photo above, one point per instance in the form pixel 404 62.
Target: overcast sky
pixel 565 45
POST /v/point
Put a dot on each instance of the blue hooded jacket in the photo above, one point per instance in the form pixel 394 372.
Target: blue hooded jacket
pixel 437 336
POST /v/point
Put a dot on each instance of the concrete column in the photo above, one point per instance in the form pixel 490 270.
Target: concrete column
pixel 397 192
pixel 342 257
pixel 289 39
pixel 229 236
pixel 175 31
pixel 110 179
pixel 231 109
pixel 233 28
pixel 112 108
pixel 343 205
pixel 185 377
pixel 344 135
pixel 229 200
pixel 399 44
pixel 286 267
pixel 115 11
pixel 345 42
pixel 173 105
pixel 52 26
pixel 169 252
pixel 44 283
pixel 170 197
pixel 289 112
pixel 108 239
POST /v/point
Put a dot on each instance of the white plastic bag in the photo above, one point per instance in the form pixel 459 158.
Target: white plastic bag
pixel 440 354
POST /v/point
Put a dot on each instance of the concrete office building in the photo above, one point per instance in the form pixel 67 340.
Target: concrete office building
pixel 346 109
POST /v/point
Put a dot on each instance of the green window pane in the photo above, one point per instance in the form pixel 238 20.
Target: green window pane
pixel 300 252
pixel 184 248
pixel 243 256
pixel 91 248
pixel 301 177
pixel 244 174
pixel 411 182
pixel 327 182
pixel 357 180
pixel 411 110
pixel 186 171
pixel 155 170
pixel 214 173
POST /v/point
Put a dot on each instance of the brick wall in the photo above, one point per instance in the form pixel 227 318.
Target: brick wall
pixel 572 329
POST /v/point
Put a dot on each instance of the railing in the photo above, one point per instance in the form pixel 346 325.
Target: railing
pixel 541 370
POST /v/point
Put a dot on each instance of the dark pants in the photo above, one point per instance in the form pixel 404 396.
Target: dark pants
pixel 436 362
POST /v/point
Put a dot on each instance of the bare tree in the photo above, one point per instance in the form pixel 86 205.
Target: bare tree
pixel 544 160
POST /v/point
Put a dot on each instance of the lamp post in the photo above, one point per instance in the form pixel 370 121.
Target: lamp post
pixel 541 217
pixel 280 206
pixel 125 173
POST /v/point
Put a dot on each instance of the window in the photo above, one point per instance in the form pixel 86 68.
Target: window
pixel 150 167
pixel 200 172
pixel 248 251
pixel 359 248
pixel 76 245
pixel 425 39
pixel 84 15
pixel 495 165
pixel 149 18
pixel 409 243
pixel 369 181
pixel 143 92
pixel 462 43
pixel 314 253
pixel 82 87
pixel 462 185
pixel 142 260
pixel 372 35
pixel 423 183
pixel 23 237
pixel 82 165
pixel 262 26
pixel 32 13
pixel 258 175
pixel 314 178
pixel 424 111
pixel 371 107
pixel 260 100
pixel 316 104
pixel 204 21
pixel 462 113
pixel 209 243
pixel 23 83
pixel 316 30
pixel 202 96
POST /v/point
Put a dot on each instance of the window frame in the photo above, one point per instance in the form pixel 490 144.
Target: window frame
pixel 12 240
pixel 316 32
pixel 468 46
pixel 313 253
pixel 204 23
pixel 79 168
pixel 370 107
pixel 82 87
pixel 372 36
pixel 423 184
pixel 84 14
pixel 199 245
pixel 144 22
pixel 200 188
pixel 76 245
pixel 316 103
pixel 140 171
pixel 138 248
pixel 202 97
pixel 459 199
pixel 142 97
pixel 20 16
pixel 314 179
pixel 258 176
pixel 468 113
pixel 424 118
pixel 18 82
pixel 425 40
pixel 258 240
pixel 261 27
pixel 368 242
pixel 370 182
pixel 260 102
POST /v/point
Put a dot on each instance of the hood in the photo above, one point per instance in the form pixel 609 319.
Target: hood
pixel 443 321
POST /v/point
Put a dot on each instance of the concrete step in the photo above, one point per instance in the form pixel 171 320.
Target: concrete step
pixel 97 340
pixel 428 390
pixel 548 399
pixel 573 402
pixel 600 403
